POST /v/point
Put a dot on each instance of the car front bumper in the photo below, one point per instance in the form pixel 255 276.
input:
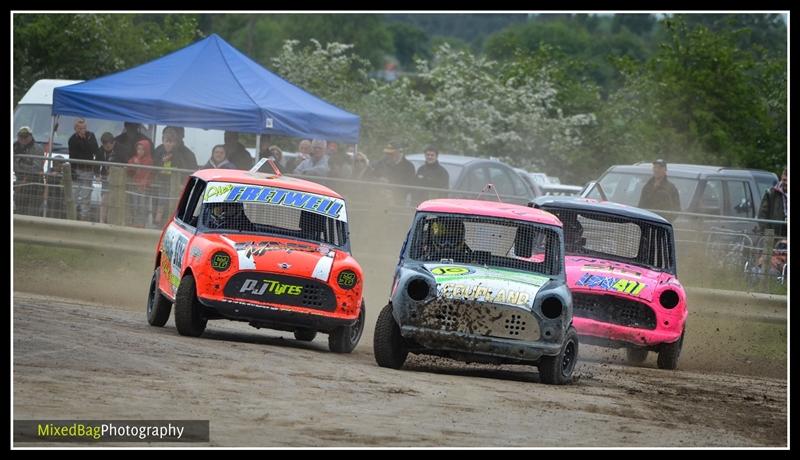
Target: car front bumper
pixel 460 342
pixel 614 335
pixel 274 317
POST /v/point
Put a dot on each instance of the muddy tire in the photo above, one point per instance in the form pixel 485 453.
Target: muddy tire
pixel 305 335
pixel 344 339
pixel 557 370
pixel 636 355
pixel 669 353
pixel 158 306
pixel 189 318
pixel 388 345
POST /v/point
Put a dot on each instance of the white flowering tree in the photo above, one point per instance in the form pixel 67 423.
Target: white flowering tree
pixel 470 107
pixel 331 72
pixel 459 102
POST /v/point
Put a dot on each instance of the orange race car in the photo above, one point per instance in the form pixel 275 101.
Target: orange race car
pixel 262 248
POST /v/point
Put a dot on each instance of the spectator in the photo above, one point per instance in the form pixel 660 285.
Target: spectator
pixel 431 173
pixel 108 153
pixel 332 148
pixel 141 179
pixel 126 142
pixel 360 164
pixel 29 172
pixel 219 159
pixel 659 193
pixel 317 163
pixel 185 158
pixel 774 206
pixel 237 153
pixel 304 149
pixel 341 164
pixel 274 153
pixel 82 146
pixel 171 154
pixel 394 168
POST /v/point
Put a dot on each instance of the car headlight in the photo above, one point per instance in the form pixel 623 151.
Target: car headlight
pixel 418 289
pixel 669 299
pixel 552 307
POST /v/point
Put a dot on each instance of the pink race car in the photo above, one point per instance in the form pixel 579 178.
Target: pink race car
pixel 622 272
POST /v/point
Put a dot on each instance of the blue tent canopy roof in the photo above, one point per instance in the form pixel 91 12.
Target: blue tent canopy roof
pixel 208 84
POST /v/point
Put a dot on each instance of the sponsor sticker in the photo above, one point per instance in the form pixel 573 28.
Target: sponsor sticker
pixel 260 287
pixel 220 261
pixel 347 279
pixel 610 283
pixel 447 270
pixel 219 192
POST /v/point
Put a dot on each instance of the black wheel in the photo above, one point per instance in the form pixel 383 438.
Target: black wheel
pixel 557 370
pixel 158 306
pixel 344 339
pixel 388 345
pixel 189 318
pixel 636 355
pixel 305 335
pixel 669 353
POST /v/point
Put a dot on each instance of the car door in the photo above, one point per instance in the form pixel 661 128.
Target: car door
pixel 508 184
pixel 474 179
pixel 739 202
pixel 177 236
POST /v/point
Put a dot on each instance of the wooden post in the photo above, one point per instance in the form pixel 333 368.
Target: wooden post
pixel 116 199
pixel 769 237
pixel 69 199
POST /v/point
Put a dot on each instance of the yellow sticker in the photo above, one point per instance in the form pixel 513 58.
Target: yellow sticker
pixel 450 271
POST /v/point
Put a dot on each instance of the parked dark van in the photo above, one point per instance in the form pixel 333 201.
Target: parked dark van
pixel 720 191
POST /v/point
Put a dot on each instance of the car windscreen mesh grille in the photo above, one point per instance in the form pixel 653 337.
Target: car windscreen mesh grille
pixel 486 241
pixel 611 237
pixel 614 310
pixel 258 218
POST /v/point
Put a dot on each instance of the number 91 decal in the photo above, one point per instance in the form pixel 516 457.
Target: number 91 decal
pixel 610 283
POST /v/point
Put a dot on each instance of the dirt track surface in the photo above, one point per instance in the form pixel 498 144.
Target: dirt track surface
pixel 262 388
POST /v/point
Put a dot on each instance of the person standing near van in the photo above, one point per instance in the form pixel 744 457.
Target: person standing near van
pixel 83 146
pixel 659 193
pixel 28 190
pixel 774 206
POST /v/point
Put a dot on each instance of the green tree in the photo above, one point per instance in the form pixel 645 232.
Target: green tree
pixel 714 92
pixel 410 42
pixel 261 36
pixel 84 46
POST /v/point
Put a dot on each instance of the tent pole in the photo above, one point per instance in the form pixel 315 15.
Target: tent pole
pixel 258 145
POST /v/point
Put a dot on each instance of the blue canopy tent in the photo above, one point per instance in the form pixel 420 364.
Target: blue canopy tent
pixel 211 85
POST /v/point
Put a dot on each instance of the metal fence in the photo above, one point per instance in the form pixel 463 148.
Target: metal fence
pixel 712 250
